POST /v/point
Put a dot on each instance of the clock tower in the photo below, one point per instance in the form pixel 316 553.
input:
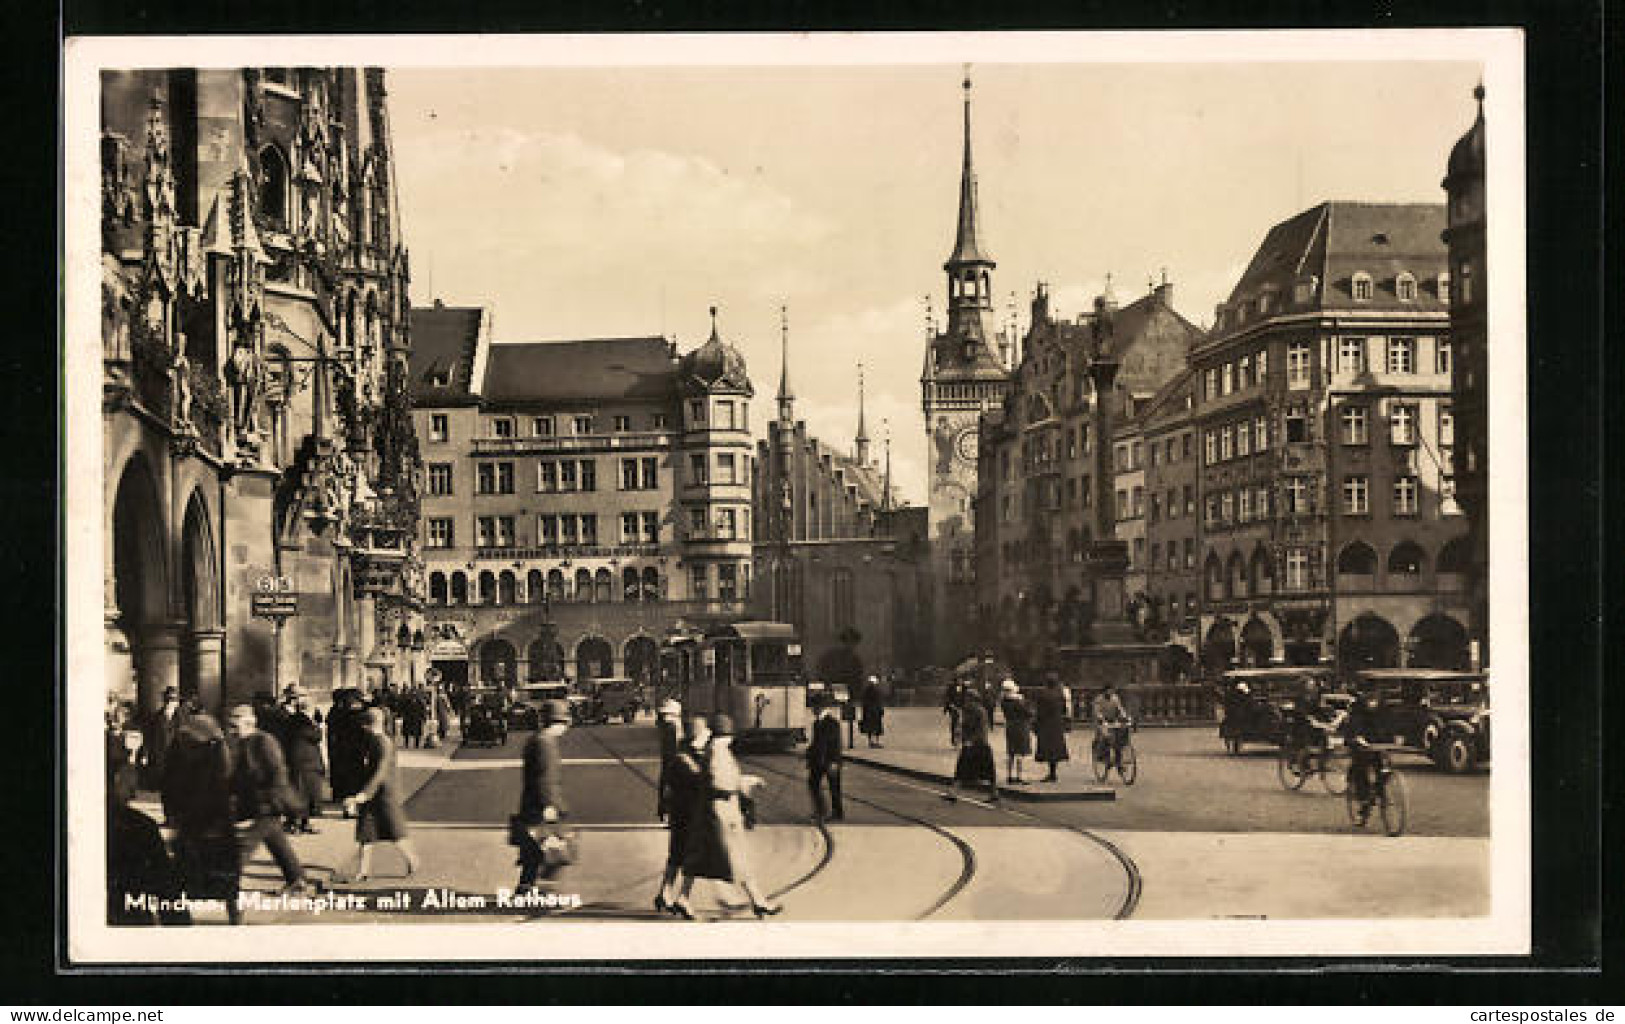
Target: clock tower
pixel 963 376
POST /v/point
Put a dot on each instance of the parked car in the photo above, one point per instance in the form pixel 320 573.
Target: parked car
pixel 526 712
pixel 486 721
pixel 1258 704
pixel 599 701
pixel 1443 714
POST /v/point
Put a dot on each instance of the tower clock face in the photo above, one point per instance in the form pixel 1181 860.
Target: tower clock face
pixel 965 444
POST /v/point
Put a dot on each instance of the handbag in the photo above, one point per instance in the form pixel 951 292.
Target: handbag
pixel 560 846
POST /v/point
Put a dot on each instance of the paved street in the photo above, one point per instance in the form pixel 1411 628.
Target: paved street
pixel 1202 834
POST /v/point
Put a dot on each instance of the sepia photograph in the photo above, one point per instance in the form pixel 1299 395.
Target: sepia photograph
pixel 795 496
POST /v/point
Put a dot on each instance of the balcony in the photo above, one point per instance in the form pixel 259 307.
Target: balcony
pixel 486 446
pixel 557 552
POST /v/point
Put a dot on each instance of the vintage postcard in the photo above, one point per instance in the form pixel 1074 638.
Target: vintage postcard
pixel 720 498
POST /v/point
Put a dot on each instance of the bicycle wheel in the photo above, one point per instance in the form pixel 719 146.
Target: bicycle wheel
pixel 1291 768
pixel 1394 805
pixel 1128 765
pixel 1334 770
pixel 1101 760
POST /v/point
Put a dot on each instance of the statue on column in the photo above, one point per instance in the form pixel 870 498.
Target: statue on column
pixel 245 375
pixel 180 385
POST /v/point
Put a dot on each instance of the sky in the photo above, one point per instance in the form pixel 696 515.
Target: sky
pixel 605 202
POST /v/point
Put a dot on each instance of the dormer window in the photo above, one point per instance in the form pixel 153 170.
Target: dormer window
pixel 1362 287
pixel 1405 288
pixel 1265 302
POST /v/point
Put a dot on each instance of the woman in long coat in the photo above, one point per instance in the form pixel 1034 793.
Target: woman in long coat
pixel 302 745
pixel 716 847
pixel 346 749
pixel 1018 733
pixel 379 817
pixel 1050 715
pixel 873 721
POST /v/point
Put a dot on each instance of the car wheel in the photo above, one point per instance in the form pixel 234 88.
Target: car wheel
pixel 1458 755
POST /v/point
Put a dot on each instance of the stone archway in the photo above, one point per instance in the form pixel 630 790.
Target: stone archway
pixel 545 657
pixel 595 659
pixel 1219 649
pixel 498 663
pixel 140 591
pixel 1257 643
pixel 1370 641
pixel 1439 641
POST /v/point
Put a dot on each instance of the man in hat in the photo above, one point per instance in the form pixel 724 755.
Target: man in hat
pixel 541 801
pixel 1112 722
pixel 302 748
pixel 824 765
pixel 158 735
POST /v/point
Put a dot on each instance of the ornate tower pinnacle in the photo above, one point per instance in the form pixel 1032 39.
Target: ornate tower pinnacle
pixel 885 484
pixel 787 397
pixel 862 438
pixel 970 294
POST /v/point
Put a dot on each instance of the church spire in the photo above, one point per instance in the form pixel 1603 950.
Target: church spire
pixel 885 486
pixel 967 240
pixel 862 440
pixel 970 286
pixel 787 397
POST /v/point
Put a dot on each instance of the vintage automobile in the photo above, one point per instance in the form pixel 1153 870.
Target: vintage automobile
pixel 1441 713
pixel 526 712
pixel 1257 704
pixel 486 720
pixel 600 701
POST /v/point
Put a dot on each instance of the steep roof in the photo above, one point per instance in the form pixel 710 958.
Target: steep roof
pixel 1325 246
pixel 591 369
pixel 968 230
pixel 444 340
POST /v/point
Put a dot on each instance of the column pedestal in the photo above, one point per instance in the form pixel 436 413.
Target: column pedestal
pixel 205 654
pixel 157 655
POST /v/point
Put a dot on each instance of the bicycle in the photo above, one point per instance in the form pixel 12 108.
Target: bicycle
pixel 1385 792
pixel 1127 762
pixel 1298 761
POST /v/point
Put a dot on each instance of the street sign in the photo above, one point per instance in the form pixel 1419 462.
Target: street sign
pixel 274 606
pixel 274 597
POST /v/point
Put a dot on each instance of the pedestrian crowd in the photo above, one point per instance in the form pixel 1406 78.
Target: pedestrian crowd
pixel 257 781
pixel 1035 728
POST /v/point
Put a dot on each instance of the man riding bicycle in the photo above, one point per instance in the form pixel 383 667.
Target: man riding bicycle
pixel 1112 723
pixel 1361 731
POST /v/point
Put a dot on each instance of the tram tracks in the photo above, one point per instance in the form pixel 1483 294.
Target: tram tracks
pixel 967 854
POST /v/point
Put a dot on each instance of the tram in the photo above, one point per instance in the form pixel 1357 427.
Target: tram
pixel 750 671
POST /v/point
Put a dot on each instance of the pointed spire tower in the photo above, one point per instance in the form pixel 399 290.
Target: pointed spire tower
pixel 862 438
pixel 787 397
pixel 969 267
pixel 885 483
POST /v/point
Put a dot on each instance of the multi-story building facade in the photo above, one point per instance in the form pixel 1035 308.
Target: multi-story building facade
pixel 1325 433
pixel 1172 526
pixel 964 375
pixel 259 459
pixel 835 555
pixel 582 498
pixel 1469 333
pixel 1128 493
pixel 1039 472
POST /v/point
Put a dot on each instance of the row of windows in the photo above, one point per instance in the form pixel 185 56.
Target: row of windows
pixel 1179 502
pixel 1173 559
pixel 581 529
pixel 728 415
pixel 1406 492
pixel 1238 440
pixel 646 584
pixel 1171 450
pixel 555 475
pixel 1354 421
pixel 1251 370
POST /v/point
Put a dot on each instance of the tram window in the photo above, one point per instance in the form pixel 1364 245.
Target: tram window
pixel 769 659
